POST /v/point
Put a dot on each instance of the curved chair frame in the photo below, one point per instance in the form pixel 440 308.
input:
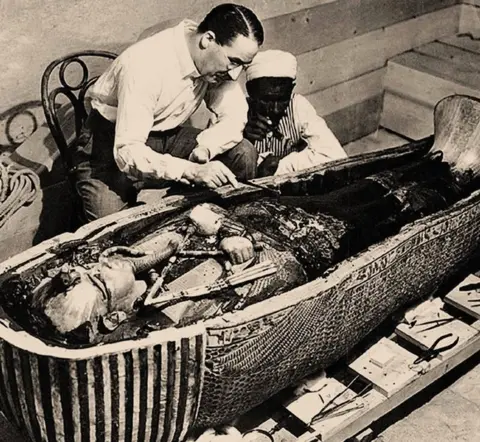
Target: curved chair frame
pixel 49 97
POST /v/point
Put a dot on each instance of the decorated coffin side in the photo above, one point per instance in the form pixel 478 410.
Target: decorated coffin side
pixel 210 372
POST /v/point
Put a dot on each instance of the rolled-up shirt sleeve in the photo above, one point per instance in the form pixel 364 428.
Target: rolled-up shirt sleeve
pixel 322 144
pixel 135 117
pixel 229 108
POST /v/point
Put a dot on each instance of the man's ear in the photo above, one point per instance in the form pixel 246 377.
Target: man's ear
pixel 207 39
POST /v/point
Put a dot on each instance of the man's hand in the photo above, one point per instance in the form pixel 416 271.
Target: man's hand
pixel 200 155
pixel 238 249
pixel 257 128
pixel 212 175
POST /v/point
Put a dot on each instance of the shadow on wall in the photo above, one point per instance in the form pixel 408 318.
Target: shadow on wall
pixel 19 123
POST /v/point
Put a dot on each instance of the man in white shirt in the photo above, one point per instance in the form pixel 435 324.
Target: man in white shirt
pixel 135 131
pixel 287 132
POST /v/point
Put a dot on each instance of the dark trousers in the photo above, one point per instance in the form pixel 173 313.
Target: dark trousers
pixel 103 189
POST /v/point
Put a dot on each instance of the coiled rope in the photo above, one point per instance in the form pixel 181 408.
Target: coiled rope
pixel 18 188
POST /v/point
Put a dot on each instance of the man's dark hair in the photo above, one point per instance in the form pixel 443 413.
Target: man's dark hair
pixel 229 20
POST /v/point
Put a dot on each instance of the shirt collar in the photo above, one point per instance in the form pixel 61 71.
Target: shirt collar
pixel 187 66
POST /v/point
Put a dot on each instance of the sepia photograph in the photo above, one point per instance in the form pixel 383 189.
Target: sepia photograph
pixel 240 222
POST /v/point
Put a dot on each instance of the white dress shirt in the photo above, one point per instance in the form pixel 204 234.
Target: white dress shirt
pixel 301 122
pixel 154 85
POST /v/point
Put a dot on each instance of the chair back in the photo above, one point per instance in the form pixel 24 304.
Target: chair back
pixel 53 87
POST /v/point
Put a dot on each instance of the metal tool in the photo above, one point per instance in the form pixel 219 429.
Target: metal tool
pixel 433 323
pixel 329 409
pixel 333 413
pixel 470 287
pixel 276 192
pixel 433 351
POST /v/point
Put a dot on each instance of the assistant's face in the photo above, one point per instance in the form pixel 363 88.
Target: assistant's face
pixel 270 96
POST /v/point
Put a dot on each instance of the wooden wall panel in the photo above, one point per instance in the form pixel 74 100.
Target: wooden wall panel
pixel 349 93
pixel 356 121
pixel 333 22
pixel 406 117
pixel 350 58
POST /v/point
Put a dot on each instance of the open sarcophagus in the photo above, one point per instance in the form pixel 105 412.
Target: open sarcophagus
pixel 172 377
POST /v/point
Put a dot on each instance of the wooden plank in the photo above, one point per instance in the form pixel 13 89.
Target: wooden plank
pixel 350 58
pixel 462 296
pixel 333 22
pixel 356 121
pixel 391 374
pixel 374 412
pixel 423 87
pixel 465 59
pixel 463 42
pixel 406 117
pixel 378 140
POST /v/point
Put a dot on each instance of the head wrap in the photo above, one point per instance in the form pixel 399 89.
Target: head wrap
pixel 272 63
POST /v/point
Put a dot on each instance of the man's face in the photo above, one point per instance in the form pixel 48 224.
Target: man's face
pixel 222 63
pixel 270 97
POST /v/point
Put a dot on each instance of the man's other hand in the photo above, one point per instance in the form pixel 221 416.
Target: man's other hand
pixel 257 128
pixel 212 175
pixel 200 155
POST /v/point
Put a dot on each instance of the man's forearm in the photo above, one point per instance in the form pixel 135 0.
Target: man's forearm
pixel 141 162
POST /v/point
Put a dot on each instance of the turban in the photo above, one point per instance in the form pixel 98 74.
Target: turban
pixel 273 63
